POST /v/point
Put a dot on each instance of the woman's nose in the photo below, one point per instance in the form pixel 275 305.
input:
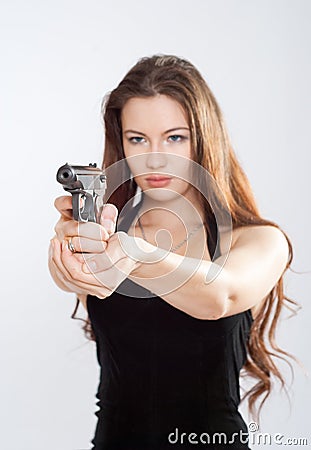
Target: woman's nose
pixel 156 159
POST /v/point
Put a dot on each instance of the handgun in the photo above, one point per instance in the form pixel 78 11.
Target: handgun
pixel 87 185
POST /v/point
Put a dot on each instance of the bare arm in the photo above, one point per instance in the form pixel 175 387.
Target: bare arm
pixel 210 290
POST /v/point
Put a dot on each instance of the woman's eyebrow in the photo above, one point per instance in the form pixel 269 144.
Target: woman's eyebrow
pixel 165 132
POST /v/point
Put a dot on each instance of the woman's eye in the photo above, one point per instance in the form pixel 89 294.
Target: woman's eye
pixel 176 138
pixel 136 139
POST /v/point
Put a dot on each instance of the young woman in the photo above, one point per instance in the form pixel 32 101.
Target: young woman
pixel 177 307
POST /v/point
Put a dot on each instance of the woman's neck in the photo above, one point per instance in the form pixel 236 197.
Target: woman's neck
pixel 175 212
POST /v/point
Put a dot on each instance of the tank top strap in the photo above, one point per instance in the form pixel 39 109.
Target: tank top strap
pixel 214 241
pixel 128 214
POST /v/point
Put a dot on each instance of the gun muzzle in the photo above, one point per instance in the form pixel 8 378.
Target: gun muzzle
pixel 66 175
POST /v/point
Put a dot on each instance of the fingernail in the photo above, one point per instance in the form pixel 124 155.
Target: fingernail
pixel 108 224
pixel 88 267
pixel 64 245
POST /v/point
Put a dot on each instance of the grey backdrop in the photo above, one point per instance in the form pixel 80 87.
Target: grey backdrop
pixel 58 59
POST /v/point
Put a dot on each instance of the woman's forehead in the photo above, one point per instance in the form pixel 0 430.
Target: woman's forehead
pixel 159 111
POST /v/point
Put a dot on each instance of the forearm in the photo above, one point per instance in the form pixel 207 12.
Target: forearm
pixel 197 287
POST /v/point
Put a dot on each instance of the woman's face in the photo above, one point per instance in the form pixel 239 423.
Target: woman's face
pixel 156 142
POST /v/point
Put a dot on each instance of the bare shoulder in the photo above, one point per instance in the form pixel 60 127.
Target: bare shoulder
pixel 267 236
pixel 261 234
pixel 258 254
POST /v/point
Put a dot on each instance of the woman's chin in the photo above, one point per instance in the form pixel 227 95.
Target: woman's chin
pixel 161 194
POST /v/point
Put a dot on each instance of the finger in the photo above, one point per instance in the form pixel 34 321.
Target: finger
pixel 116 274
pixel 86 245
pixel 103 261
pixel 99 290
pixel 99 263
pixel 64 205
pixel 59 228
pixel 90 230
pixel 73 268
pixel 108 217
pixel 65 275
pixel 57 274
pixel 110 211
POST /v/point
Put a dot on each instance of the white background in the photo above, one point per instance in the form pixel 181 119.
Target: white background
pixel 58 59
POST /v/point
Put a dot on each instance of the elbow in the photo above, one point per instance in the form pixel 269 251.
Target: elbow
pixel 217 309
pixel 216 302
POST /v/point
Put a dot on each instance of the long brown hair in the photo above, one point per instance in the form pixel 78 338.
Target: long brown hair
pixel 180 80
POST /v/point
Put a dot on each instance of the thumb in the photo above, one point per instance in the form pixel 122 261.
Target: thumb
pixel 108 217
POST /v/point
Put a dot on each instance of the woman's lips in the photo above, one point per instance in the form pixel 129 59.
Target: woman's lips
pixel 158 181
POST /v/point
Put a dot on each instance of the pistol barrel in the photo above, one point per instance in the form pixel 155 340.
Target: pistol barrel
pixel 86 183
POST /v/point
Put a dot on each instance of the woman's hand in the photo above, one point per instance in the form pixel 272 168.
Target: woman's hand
pixel 113 254
pixel 64 205
pixel 57 269
pixel 82 277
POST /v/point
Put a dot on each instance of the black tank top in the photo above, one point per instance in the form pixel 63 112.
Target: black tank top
pixel 167 380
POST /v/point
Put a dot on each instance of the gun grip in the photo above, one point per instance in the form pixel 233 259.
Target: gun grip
pixel 86 213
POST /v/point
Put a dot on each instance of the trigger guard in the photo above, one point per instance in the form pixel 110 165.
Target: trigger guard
pixel 84 214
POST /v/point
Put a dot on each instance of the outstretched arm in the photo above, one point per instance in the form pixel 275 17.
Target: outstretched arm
pixel 210 290
pixel 203 289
